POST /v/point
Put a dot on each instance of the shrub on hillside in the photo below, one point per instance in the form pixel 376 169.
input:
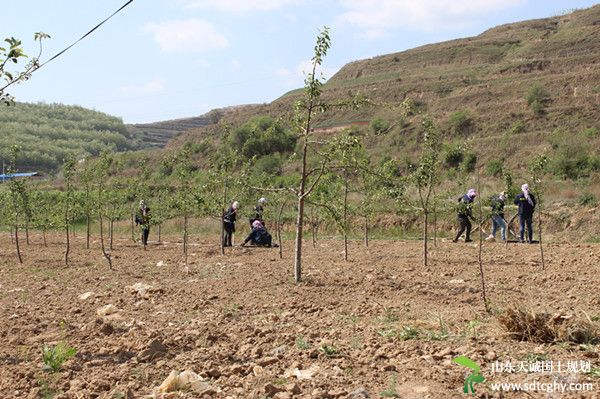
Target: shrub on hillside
pixel 261 136
pixel 537 97
pixel 379 125
pixel 461 122
pixel 494 168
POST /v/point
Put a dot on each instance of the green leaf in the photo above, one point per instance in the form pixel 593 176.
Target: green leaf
pixel 465 361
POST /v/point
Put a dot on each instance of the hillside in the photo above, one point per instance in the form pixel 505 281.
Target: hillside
pixel 49 133
pixel 511 92
pixel 158 134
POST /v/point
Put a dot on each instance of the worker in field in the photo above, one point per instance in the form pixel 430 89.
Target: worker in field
pixel 497 202
pixel 526 203
pixel 229 223
pixel 142 219
pixel 464 215
pixel 259 236
pixel 258 211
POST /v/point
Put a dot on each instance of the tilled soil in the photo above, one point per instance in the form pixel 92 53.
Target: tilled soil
pixel 379 325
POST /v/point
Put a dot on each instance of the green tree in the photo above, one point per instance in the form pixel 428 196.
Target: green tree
pixel 425 175
pixel 69 174
pixel 102 173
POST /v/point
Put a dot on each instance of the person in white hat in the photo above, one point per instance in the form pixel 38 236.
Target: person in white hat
pixel 142 219
pixel 229 223
pixel 259 211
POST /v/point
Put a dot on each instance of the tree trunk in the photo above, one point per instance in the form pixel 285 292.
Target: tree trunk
pixel 68 248
pixel 540 236
pixel 425 236
pixel 106 255
pixel 185 237
pixel 44 237
pixel 298 247
pixel 366 230
pixel 346 218
pixel 279 226
pixel 434 220
pixel 87 231
pixel 17 240
pixel 159 226
pixel 479 258
pixel 132 226
pixel 110 233
pixel 222 232
pixel 27 231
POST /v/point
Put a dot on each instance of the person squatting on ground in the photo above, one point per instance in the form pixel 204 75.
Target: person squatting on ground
pixel 464 215
pixel 142 219
pixel 526 203
pixel 497 202
pixel 259 210
pixel 229 223
pixel 259 236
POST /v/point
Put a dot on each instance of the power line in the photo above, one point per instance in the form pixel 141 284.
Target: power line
pixel 85 35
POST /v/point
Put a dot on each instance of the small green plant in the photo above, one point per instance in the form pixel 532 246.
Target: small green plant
pixel 594 372
pixel 517 127
pixel 387 334
pixel 442 332
pixel 54 356
pixel 587 199
pixel 473 327
pixel 389 315
pixel 328 350
pixel 409 332
pixel 390 391
pixel 280 381
pixel 591 132
pixel 302 344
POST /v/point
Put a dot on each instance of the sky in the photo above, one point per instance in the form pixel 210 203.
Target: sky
pixel 166 59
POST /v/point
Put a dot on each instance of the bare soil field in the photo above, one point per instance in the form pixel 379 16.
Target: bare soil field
pixel 379 325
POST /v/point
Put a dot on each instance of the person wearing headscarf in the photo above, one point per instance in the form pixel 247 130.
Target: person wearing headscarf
pixel 142 219
pixel 259 235
pixel 259 210
pixel 526 203
pixel 465 214
pixel 229 223
pixel 497 202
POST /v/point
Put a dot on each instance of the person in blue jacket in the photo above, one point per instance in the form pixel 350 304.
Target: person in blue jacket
pixel 526 203
pixel 465 214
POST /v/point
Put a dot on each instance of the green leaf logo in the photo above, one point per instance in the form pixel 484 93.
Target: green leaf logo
pixel 474 378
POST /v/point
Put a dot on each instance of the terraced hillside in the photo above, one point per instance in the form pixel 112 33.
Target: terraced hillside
pixel 512 91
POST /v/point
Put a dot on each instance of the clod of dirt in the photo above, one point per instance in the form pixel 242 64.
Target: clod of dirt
pixel 188 381
pixel 272 390
pixel 307 374
pixel 107 310
pixel 360 393
pixel 154 350
pixel 86 295
pixel 542 327
pixel 143 290
pixel 161 263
